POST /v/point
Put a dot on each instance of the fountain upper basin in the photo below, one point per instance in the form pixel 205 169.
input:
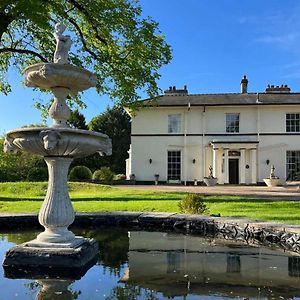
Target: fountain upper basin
pixel 51 75
pixel 66 142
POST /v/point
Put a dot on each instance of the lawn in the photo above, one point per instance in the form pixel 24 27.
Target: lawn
pixel 86 197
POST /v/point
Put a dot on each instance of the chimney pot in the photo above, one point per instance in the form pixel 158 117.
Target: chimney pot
pixel 244 85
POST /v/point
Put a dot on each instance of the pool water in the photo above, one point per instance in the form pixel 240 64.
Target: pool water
pixel 159 265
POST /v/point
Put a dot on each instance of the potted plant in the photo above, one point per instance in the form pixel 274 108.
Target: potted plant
pixel 210 180
pixel 156 178
pixel 132 178
pixel 272 180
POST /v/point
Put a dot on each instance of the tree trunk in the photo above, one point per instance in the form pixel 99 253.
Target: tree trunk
pixel 5 20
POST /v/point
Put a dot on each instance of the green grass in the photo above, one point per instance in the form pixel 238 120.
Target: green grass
pixel 28 196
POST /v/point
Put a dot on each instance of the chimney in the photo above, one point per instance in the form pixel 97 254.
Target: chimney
pixel 277 89
pixel 244 85
pixel 173 91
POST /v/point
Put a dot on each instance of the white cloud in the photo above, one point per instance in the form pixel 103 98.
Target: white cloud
pixel 285 39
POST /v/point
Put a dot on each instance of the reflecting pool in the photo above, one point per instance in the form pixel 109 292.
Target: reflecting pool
pixel 159 265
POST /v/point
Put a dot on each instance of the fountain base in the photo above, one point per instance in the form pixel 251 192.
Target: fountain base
pixel 31 255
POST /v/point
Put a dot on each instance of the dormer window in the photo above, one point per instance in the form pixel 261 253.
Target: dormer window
pixel 174 123
pixel 233 122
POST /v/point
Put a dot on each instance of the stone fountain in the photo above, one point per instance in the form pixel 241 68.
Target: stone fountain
pixel 59 145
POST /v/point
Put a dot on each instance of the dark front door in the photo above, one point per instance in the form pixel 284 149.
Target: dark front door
pixel 233 171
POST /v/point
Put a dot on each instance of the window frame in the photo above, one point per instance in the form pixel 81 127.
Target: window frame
pixel 292 165
pixel 232 125
pixel 174 165
pixel 175 125
pixel 292 124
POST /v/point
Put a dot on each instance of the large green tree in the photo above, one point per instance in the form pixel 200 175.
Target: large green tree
pixel 114 122
pixel 110 38
pixel 117 125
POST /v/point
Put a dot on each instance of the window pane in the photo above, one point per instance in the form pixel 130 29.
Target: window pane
pixel 232 122
pixel 174 123
pixel 174 165
pixel 292 122
pixel 292 165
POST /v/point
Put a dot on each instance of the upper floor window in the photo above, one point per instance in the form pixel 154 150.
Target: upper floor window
pixel 174 123
pixel 292 122
pixel 232 122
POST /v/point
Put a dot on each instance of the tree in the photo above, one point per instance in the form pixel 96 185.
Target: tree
pixel 110 38
pixel 77 120
pixel 116 124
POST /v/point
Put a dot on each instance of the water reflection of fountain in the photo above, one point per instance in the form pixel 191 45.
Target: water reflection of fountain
pixel 59 145
pixel 54 289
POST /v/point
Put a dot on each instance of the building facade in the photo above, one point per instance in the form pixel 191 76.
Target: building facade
pixel 240 135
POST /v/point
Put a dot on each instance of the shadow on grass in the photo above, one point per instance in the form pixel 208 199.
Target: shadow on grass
pixel 9 199
pixel 112 199
pixel 247 200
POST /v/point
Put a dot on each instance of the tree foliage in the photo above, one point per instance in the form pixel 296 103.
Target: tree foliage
pixel 21 166
pixel 110 38
pixel 116 124
pixel 77 120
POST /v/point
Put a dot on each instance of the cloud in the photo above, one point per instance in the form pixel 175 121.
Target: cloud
pixel 285 39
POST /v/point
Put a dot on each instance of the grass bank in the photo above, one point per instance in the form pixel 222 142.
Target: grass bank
pixel 28 196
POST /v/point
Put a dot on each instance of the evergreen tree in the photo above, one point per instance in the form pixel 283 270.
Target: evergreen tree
pixel 77 120
pixel 114 122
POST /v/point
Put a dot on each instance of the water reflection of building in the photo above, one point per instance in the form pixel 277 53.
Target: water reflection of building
pixel 178 265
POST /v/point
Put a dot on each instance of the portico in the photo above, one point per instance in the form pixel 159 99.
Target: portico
pixel 235 162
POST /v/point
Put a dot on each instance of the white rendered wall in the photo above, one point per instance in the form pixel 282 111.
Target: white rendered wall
pixel 151 139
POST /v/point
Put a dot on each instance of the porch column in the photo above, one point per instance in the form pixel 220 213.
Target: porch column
pixel 215 162
pixel 226 166
pixel 253 166
pixel 243 166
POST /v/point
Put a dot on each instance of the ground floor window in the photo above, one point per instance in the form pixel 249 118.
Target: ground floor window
pixel 174 165
pixel 292 165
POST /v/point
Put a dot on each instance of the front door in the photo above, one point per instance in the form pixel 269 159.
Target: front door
pixel 233 171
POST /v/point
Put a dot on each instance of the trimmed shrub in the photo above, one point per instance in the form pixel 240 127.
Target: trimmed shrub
pixel 104 173
pixel 193 204
pixel 119 177
pixel 80 173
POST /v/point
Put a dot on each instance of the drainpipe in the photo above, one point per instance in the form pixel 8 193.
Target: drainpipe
pixel 258 135
pixel 184 144
pixel 203 148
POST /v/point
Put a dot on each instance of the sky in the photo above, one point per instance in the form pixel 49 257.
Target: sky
pixel 214 42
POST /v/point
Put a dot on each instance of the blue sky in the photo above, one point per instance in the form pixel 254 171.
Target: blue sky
pixel 214 44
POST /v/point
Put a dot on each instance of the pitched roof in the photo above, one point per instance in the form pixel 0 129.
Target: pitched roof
pixel 225 99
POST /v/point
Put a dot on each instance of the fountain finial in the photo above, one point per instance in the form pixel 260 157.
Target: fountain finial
pixel 63 45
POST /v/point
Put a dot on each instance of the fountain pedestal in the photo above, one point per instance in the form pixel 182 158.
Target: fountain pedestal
pixel 56 247
pixel 57 213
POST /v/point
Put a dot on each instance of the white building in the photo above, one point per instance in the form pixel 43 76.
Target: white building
pixel 239 134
